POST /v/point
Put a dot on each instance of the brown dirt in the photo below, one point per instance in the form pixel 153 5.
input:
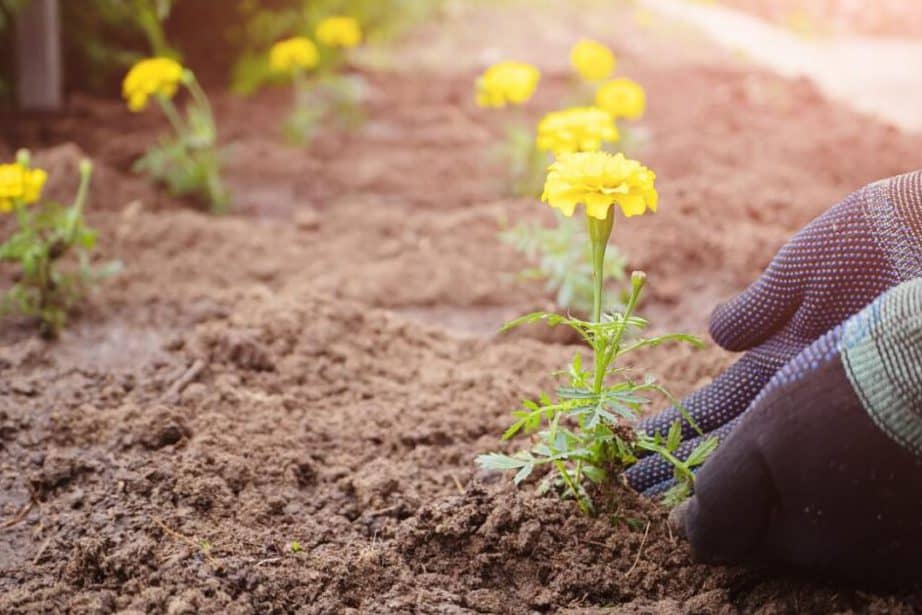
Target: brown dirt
pixel 321 367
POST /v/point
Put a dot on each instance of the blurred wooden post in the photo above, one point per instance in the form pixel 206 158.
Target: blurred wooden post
pixel 38 56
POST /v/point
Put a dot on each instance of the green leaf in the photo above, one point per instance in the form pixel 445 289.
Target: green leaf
pixel 594 474
pixel 524 320
pixel 702 452
pixel 498 461
pixel 674 438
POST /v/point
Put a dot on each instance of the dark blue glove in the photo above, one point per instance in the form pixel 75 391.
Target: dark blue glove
pixel 831 269
pixel 823 471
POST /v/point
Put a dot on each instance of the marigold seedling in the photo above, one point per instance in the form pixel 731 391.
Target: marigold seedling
pixel 292 58
pixel 588 431
pixel 560 251
pixel 329 92
pixel 188 161
pixel 47 286
pixel 506 86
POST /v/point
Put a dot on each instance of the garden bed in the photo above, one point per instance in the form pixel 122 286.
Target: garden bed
pixel 321 367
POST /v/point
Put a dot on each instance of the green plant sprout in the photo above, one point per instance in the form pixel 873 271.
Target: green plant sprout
pixel 291 58
pixel 562 256
pixel 588 431
pixel 47 288
pixel 262 25
pixel 146 15
pixel 561 251
pixel 187 161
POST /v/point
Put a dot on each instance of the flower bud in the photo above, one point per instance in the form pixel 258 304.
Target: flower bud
pixel 638 280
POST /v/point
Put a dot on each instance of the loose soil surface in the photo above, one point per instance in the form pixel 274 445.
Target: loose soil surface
pixel 322 367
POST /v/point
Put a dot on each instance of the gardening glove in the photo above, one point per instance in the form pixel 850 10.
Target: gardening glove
pixel 824 471
pixel 831 269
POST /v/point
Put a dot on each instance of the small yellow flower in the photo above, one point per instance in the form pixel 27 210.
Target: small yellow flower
pixel 622 98
pixel 507 83
pixel 154 76
pixel 592 60
pixel 20 185
pixel 339 32
pixel 598 180
pixel 33 183
pixel 580 129
pixel 294 53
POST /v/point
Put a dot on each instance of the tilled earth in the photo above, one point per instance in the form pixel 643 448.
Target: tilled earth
pixel 322 367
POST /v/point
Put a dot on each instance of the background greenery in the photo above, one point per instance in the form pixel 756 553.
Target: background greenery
pixel 223 41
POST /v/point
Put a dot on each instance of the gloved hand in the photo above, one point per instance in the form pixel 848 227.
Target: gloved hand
pixel 831 269
pixel 824 471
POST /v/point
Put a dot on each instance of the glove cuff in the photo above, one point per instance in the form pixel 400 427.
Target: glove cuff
pixel 881 350
pixel 894 208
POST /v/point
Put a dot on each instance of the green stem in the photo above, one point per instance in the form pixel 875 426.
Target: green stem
pixel 149 21
pixel 201 100
pixel 637 283
pixel 599 232
pixel 21 216
pixel 566 478
pixel 300 87
pixel 638 279
pixel 76 209
pixel 169 109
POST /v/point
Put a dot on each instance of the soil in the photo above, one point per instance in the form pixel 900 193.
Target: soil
pixel 277 411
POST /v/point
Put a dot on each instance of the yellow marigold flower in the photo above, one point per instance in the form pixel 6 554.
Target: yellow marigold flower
pixel 33 183
pixel 154 76
pixel 293 53
pixel 20 184
pixel 592 60
pixel 580 129
pixel 622 98
pixel 599 180
pixel 339 32
pixel 507 83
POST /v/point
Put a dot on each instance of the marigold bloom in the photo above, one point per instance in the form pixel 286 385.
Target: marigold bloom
pixel 154 76
pixel 507 83
pixel 291 54
pixel 599 180
pixel 339 32
pixel 20 184
pixel 592 60
pixel 622 98
pixel 580 129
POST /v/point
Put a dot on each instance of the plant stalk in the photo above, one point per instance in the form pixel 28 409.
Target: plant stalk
pixel 76 210
pixel 169 109
pixel 599 233
pixel 201 99
pixel 566 478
